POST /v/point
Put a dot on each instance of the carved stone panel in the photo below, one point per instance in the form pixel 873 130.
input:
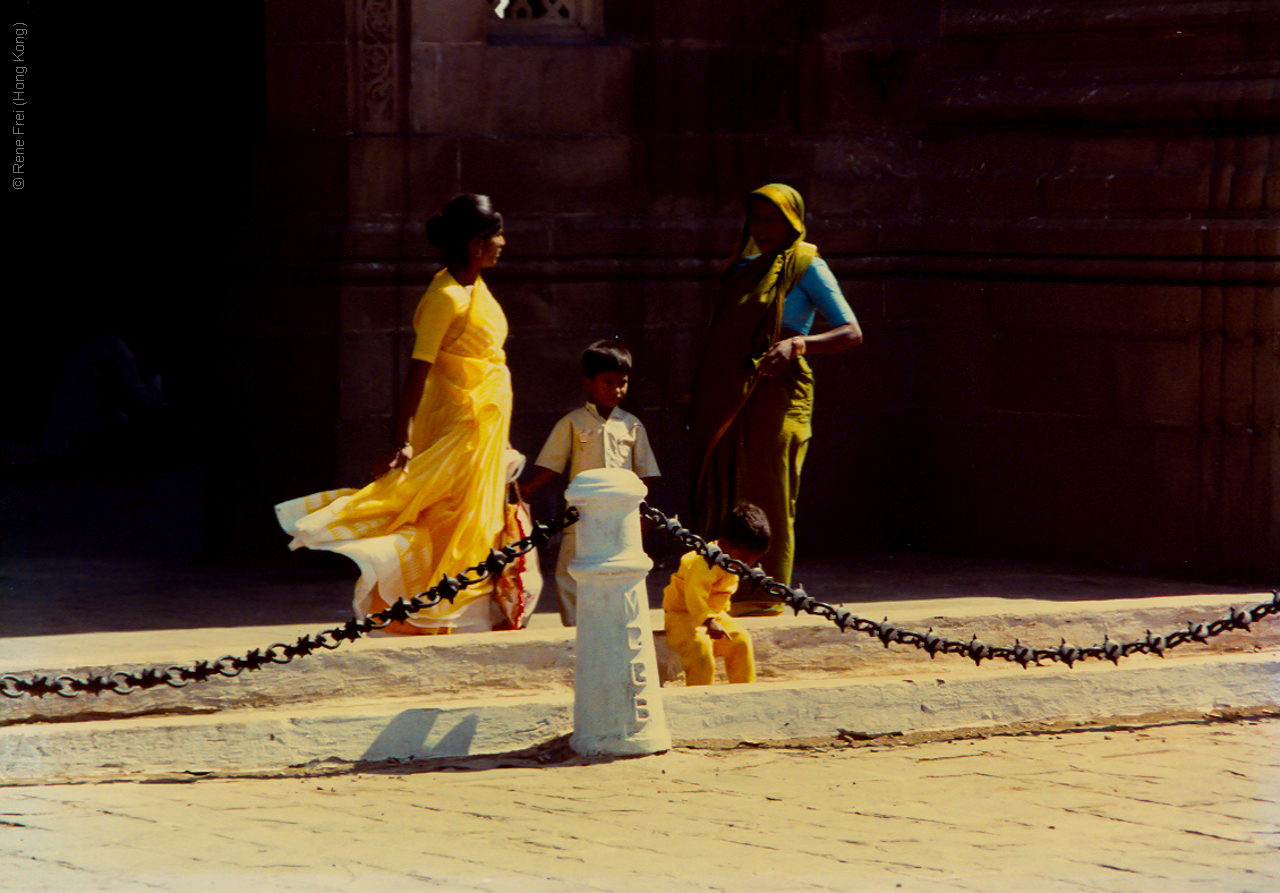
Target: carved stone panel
pixel 538 21
pixel 377 63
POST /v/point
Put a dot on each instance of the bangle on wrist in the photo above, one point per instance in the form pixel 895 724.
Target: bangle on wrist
pixel 800 345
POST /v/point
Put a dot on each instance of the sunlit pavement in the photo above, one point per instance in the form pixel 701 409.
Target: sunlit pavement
pixel 1174 807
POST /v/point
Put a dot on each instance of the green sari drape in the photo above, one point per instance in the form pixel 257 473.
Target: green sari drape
pixel 750 432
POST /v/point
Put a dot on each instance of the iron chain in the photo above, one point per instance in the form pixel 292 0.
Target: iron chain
pixel 123 683
pixel 934 644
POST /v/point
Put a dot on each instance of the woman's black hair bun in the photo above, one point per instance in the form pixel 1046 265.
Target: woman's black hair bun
pixel 461 220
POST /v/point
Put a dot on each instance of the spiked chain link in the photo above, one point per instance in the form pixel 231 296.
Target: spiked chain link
pixel 977 651
pixel 123 683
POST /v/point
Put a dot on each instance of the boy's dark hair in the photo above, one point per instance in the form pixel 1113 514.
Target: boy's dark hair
pixel 746 527
pixel 605 356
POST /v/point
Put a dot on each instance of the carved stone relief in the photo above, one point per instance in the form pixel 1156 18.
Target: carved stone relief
pixel 377 68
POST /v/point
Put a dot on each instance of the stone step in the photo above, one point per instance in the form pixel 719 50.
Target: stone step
pixel 335 734
pixel 538 660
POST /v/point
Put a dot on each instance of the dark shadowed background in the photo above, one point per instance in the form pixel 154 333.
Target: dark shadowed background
pixel 1056 222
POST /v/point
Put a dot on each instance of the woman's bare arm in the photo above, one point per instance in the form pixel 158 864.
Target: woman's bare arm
pixel 415 383
pixel 793 345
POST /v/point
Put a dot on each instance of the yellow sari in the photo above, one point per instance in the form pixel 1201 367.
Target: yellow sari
pixel 750 432
pixel 444 511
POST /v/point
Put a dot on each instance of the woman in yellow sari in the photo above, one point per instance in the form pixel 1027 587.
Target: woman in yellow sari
pixel 753 394
pixel 437 506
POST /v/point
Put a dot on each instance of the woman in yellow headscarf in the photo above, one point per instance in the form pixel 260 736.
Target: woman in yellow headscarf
pixel 437 506
pixel 753 394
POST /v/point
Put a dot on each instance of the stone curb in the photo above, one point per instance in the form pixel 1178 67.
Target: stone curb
pixel 540 660
pixel 265 741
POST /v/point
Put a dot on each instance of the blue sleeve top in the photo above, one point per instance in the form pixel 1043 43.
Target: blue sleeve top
pixel 817 291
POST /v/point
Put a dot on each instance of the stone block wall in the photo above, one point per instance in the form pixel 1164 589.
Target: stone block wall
pixel 1056 222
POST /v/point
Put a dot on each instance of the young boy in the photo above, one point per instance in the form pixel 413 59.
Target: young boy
pixel 598 435
pixel 696 603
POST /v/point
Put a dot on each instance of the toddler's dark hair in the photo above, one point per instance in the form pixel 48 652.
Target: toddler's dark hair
pixel 461 220
pixel 746 527
pixel 605 356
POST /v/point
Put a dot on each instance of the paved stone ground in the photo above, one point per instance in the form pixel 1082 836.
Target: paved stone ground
pixel 1162 808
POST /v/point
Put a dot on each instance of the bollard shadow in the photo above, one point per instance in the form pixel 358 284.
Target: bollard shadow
pixel 550 754
pixel 414 735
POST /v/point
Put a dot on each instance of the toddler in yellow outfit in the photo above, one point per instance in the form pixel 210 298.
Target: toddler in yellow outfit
pixel 695 604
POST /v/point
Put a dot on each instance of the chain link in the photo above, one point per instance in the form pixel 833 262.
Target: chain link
pixel 124 683
pixel 975 650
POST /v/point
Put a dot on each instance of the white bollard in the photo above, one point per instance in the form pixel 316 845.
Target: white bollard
pixel 617 707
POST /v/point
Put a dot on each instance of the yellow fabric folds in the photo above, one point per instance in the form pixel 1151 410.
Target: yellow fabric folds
pixel 444 511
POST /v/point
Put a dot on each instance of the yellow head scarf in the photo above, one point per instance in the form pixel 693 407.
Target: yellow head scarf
pixel 788 201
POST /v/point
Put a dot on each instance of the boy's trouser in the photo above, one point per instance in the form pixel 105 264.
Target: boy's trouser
pixel 698 651
pixel 566 586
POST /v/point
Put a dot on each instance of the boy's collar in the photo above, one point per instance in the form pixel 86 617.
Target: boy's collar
pixel 591 407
